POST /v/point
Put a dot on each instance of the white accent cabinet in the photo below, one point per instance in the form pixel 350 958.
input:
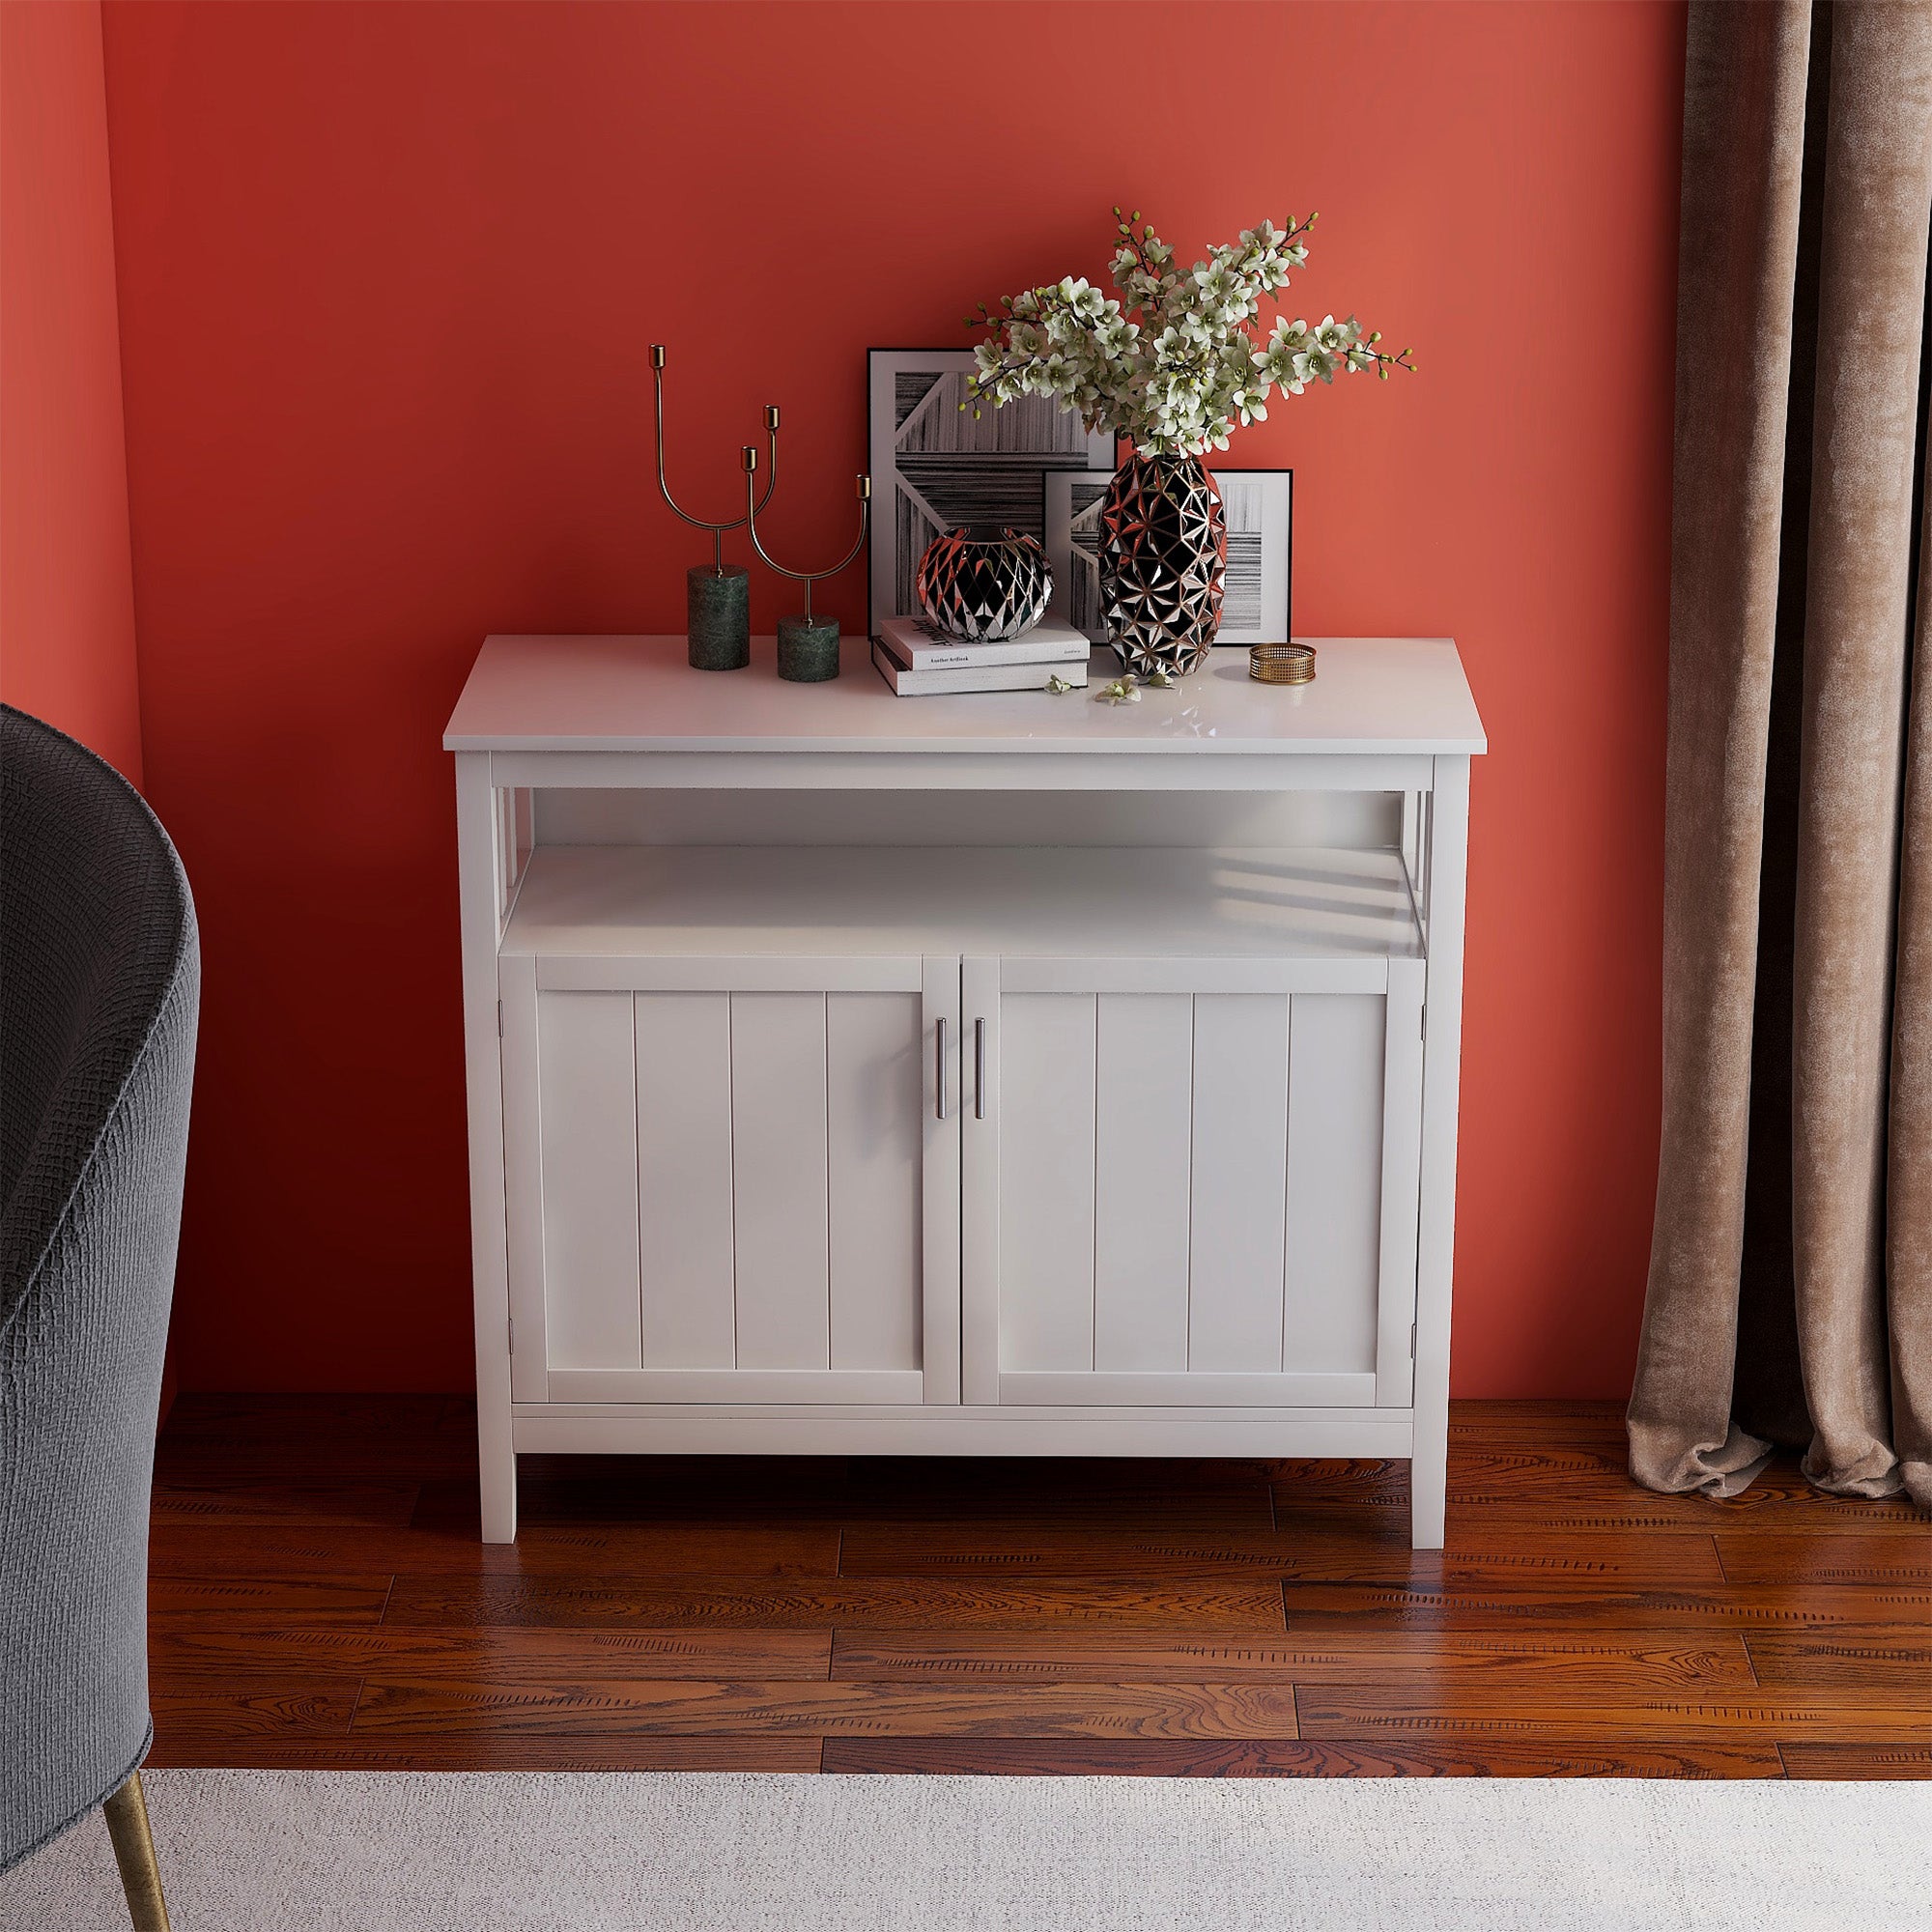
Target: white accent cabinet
pixel 1009 1074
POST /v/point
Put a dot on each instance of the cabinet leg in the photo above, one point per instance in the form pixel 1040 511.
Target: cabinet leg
pixel 1427 1492
pixel 496 1479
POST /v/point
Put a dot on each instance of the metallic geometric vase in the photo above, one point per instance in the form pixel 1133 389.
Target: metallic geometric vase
pixel 1163 559
pixel 984 584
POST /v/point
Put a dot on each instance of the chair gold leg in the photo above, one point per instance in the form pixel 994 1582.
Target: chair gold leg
pixel 126 1814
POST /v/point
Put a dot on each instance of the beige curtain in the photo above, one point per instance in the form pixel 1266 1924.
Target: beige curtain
pixel 1790 1294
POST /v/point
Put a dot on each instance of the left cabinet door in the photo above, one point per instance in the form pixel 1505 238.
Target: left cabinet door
pixel 732 1180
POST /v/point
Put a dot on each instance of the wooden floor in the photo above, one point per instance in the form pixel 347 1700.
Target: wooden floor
pixel 320 1598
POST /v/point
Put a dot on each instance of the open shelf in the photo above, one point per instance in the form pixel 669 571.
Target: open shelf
pixel 1053 901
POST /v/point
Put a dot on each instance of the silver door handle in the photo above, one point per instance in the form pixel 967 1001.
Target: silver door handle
pixel 979 1069
pixel 939 1067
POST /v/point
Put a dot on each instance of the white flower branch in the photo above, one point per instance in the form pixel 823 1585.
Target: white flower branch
pixel 1178 360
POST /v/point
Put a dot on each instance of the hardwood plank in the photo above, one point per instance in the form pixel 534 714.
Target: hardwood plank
pixel 1163 1757
pixel 1634 1615
pixel 663 1550
pixel 223 1419
pixel 1827 1662
pixel 1056 1585
pixel 179 1651
pixel 761 1482
pixel 241 1500
pixel 1802 1759
pixel 576 1602
pixel 294 1602
pixel 1547 1560
pixel 1545 1420
pixel 1253 1709
pixel 754 1493
pixel 1341 1496
pixel 1574 1487
pixel 482 1751
pixel 1393 1657
pixel 299 1704
pixel 1720 1713
pixel 951 1480
pixel 850 1477
pixel 1582 1489
pixel 769 1488
pixel 317 1437
pixel 1878 1562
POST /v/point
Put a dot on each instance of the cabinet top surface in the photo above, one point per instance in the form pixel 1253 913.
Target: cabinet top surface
pixel 636 694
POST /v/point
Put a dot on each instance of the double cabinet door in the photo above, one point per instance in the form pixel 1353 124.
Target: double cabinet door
pixel 1010 1181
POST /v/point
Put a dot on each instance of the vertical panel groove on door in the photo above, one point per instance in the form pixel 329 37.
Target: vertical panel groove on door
pixel 1046 1154
pixel 981 1213
pixel 779 1220
pixel 1332 1268
pixel 731 1177
pixel 586 1082
pixel 1287 1133
pixel 874 1142
pixel 522 1177
pixel 825 1074
pixel 1143 1102
pixel 1093 1142
pixel 1402 1172
pixel 1236 1223
pixel 1187 1296
pixel 684 1178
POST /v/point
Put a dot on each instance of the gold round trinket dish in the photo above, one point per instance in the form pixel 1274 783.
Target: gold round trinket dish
pixel 1282 664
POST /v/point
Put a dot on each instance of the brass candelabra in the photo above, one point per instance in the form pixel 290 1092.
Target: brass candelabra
pixel 808 645
pixel 718 600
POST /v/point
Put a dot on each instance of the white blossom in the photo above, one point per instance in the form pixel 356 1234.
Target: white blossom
pixel 1175 362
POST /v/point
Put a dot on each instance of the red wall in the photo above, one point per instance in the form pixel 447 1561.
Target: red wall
pixel 66 597
pixel 389 273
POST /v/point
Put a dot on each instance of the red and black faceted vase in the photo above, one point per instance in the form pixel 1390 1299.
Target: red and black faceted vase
pixel 983 584
pixel 1163 563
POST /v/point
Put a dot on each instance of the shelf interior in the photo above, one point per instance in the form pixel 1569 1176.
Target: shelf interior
pixel 1301 901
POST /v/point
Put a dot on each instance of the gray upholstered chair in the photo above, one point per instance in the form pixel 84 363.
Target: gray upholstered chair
pixel 99 980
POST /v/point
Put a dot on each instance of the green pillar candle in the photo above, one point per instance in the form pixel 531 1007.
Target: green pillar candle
pixel 718 607
pixel 807 650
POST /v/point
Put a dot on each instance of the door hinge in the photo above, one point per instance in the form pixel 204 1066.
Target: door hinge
pixel 500 1019
pixel 513 1335
pixel 1412 1341
pixel 1421 1021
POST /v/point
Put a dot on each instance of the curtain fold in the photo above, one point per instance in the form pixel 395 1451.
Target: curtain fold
pixel 1798 499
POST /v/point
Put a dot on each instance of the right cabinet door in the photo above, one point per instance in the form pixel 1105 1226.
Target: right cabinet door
pixel 1190 1182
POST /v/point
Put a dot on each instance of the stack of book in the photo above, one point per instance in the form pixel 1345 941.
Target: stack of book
pixel 917 659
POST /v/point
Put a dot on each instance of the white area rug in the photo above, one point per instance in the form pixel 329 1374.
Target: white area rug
pixel 246 1851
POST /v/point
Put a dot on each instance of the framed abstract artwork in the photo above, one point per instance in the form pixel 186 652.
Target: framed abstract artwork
pixel 1073 546
pixel 1257 606
pixel 935 465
